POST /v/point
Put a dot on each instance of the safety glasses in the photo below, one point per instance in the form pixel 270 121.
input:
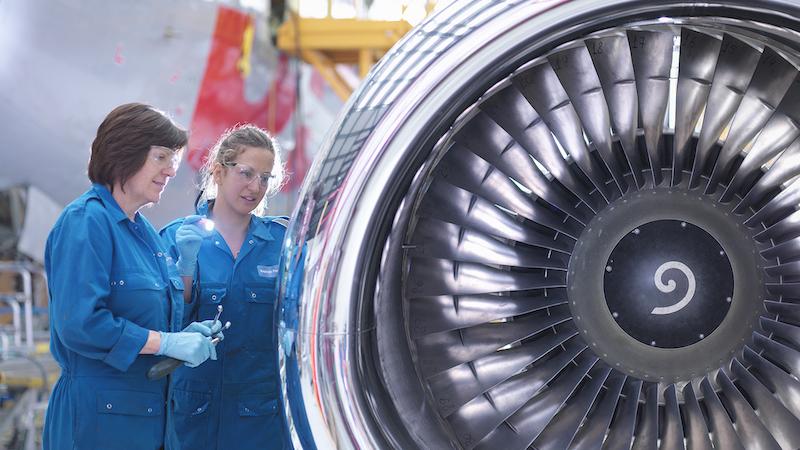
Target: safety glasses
pixel 246 174
pixel 165 157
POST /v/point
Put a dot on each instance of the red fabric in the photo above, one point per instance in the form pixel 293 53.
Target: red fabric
pixel 221 103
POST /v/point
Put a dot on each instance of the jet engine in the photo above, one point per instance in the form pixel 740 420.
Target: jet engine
pixel 556 224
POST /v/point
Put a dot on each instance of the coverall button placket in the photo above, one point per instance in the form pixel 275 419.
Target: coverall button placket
pixel 100 360
pixel 153 243
pixel 244 284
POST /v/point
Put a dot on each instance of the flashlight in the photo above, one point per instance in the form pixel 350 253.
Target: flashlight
pixel 207 224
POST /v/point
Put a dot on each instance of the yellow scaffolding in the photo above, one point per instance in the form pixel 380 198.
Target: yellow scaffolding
pixel 326 42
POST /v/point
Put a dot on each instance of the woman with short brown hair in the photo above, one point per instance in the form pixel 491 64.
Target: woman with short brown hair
pixel 116 299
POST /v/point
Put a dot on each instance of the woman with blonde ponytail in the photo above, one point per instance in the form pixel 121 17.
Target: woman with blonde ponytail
pixel 231 402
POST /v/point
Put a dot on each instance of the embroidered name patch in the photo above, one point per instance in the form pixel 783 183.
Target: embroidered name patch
pixel 267 271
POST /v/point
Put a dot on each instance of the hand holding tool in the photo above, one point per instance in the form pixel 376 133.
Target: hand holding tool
pixel 168 365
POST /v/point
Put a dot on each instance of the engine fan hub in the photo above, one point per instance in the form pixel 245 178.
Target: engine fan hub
pixel 668 283
pixel 615 273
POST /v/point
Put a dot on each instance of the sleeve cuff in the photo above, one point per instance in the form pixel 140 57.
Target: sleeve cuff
pixel 127 347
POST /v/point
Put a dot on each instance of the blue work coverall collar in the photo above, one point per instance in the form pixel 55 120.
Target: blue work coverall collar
pixel 260 232
pixel 114 209
pixel 203 207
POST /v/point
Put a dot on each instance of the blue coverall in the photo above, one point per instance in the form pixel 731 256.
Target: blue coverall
pixel 110 281
pixel 232 403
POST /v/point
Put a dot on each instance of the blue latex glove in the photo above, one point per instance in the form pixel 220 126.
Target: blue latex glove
pixel 191 347
pixel 207 328
pixel 188 238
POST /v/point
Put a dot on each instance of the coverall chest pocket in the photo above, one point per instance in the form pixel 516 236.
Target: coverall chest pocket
pixel 260 299
pixel 127 419
pixel 191 417
pixel 140 297
pixel 211 296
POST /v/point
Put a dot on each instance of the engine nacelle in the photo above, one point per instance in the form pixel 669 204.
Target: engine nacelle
pixel 556 224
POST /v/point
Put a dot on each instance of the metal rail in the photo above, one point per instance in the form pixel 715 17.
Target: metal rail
pixel 25 297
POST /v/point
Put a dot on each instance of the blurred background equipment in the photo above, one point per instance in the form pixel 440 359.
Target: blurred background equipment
pixel 329 44
pixel 209 64
pixel 26 367
pixel 26 216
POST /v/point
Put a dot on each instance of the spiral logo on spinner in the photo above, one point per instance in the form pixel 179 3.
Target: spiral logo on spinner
pixel 658 278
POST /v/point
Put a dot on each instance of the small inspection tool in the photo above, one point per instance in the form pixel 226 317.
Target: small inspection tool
pixel 219 313
pixel 168 365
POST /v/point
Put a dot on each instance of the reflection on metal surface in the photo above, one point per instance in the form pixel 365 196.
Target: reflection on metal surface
pixel 444 273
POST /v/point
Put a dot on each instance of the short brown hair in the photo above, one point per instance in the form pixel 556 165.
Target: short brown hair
pixel 124 139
